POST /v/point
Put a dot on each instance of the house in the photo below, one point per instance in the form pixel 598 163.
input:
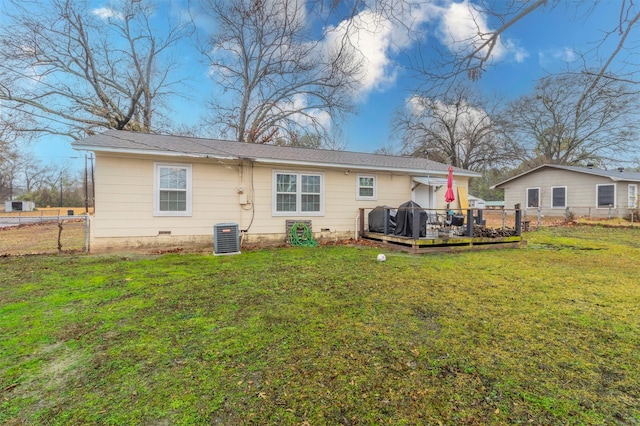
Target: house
pixel 585 191
pixel 156 190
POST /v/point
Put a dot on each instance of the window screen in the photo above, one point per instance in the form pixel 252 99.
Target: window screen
pixel 533 197
pixel 606 195
pixel 559 197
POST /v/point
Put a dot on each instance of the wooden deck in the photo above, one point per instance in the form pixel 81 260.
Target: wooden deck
pixel 444 244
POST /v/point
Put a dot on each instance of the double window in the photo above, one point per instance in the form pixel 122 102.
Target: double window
pixel 172 190
pixel 366 187
pixel 606 195
pixel 298 194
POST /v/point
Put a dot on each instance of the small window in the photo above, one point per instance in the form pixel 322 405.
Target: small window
pixel 606 195
pixel 172 190
pixel 297 194
pixel 633 196
pixel 533 197
pixel 366 187
pixel 558 196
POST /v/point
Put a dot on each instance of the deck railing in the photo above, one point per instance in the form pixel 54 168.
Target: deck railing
pixel 439 219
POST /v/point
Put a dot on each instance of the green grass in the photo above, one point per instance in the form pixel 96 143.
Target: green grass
pixel 548 334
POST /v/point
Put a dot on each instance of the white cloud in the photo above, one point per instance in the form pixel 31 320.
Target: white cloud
pixel 464 115
pixel 106 13
pixel 548 57
pixel 299 103
pixel 375 39
pixel 461 30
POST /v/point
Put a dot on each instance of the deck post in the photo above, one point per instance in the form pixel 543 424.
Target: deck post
pixel 416 223
pixel 387 215
pixel 361 222
pixel 518 220
pixel 469 223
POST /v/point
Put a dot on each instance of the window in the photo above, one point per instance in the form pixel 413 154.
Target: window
pixel 633 196
pixel 558 196
pixel 366 187
pixel 298 194
pixel 606 195
pixel 533 197
pixel 172 190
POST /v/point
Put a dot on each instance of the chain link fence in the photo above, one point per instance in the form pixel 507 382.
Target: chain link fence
pixel 43 232
pixel 533 218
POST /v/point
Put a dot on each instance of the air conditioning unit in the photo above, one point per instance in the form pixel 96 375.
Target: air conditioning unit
pixel 226 239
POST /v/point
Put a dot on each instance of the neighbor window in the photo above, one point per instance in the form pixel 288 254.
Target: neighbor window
pixel 172 190
pixel 533 197
pixel 633 196
pixel 558 196
pixel 606 195
pixel 297 194
pixel 366 187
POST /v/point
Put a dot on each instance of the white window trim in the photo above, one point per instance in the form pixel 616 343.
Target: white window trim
pixel 156 190
pixel 527 197
pixel 375 187
pixel 632 204
pixel 298 212
pixel 565 197
pixel 615 195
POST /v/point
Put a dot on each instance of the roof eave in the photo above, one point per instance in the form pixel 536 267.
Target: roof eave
pixel 556 166
pixel 79 147
pixel 272 161
pixel 360 167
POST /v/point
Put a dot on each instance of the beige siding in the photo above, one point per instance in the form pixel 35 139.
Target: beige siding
pixel 580 193
pixel 124 202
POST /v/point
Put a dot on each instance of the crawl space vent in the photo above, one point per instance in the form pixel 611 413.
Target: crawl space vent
pixel 226 239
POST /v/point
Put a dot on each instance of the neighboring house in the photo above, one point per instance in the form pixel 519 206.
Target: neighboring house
pixel 552 189
pixel 19 206
pixel 476 203
pixel 153 190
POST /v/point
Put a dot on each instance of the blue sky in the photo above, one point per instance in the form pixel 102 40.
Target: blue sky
pixel 542 42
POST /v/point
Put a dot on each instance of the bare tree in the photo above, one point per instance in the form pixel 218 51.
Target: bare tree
pixel 460 129
pixel 10 149
pixel 277 79
pixel 568 120
pixel 75 69
pixel 614 46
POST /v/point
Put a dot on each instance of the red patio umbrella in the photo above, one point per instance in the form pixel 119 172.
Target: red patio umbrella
pixel 449 196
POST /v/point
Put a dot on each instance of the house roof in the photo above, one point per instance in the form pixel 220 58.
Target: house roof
pixel 615 175
pixel 117 141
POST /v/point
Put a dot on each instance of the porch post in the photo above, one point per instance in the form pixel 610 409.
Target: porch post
pixel 518 220
pixel 361 222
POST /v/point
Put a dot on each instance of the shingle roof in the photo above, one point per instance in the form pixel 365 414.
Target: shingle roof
pixel 165 145
pixel 614 175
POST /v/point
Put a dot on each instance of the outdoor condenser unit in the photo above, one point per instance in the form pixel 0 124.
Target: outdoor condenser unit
pixel 226 239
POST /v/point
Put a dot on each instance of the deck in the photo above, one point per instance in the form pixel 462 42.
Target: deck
pixel 447 239
pixel 446 244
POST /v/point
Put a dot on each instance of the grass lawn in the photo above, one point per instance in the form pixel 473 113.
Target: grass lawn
pixel 548 334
